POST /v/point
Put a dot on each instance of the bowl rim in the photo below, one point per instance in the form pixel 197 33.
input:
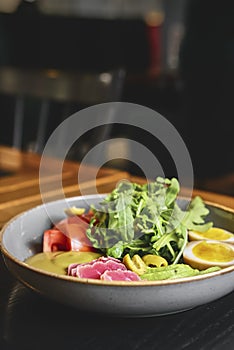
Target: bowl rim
pixel 89 281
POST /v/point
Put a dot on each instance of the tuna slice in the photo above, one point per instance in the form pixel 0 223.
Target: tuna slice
pixel 104 268
pixel 72 268
pixel 119 275
pixel 97 268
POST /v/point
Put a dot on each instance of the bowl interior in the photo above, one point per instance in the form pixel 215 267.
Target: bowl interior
pixel 22 236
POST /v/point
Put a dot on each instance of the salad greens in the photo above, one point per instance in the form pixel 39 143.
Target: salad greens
pixel 146 219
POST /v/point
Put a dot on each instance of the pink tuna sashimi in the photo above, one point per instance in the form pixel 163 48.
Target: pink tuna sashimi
pixel 72 267
pixel 119 275
pixel 103 259
pixel 87 271
pixel 97 268
pixel 108 258
pixel 71 271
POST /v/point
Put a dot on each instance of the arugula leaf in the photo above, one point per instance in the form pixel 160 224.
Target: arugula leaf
pixel 146 219
pixel 172 192
pixel 195 217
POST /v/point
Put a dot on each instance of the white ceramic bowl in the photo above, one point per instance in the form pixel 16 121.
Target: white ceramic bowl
pixel 22 237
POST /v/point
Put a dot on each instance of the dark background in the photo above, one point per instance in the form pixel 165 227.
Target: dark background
pixel 196 97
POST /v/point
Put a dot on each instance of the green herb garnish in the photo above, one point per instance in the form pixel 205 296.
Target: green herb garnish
pixel 146 219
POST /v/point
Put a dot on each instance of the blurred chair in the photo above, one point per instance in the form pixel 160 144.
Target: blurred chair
pixel 39 100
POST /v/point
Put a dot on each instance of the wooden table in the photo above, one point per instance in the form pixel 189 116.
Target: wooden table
pixel 20 190
pixel 29 321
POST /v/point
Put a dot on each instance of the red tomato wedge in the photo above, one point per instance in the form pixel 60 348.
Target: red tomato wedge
pixel 54 240
pixel 68 234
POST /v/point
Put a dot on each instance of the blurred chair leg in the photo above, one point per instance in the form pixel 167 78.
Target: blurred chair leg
pixel 18 122
pixel 42 124
pixel 118 83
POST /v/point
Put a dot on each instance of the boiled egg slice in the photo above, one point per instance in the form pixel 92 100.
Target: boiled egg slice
pixel 203 254
pixel 213 233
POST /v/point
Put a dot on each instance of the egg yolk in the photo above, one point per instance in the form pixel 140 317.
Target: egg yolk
pixel 215 233
pixel 215 252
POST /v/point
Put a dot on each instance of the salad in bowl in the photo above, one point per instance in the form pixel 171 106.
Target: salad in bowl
pixel 139 251
pixel 137 232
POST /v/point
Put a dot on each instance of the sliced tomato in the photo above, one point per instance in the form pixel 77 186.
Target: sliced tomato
pixel 68 234
pixel 87 216
pixel 54 240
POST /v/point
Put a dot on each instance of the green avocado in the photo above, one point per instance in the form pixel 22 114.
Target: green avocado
pixel 174 271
